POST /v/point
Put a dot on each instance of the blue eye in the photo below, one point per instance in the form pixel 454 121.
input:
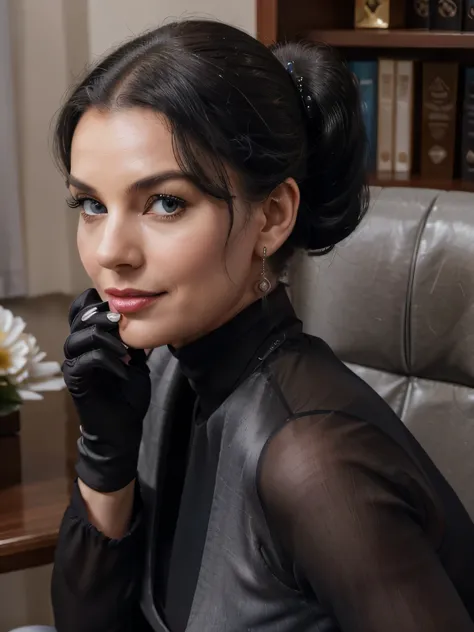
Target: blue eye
pixel 92 207
pixel 166 205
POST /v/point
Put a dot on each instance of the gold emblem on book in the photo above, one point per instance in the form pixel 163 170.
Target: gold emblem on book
pixel 422 8
pixel 373 14
pixel 470 157
pixel 447 8
pixel 437 154
pixel 439 89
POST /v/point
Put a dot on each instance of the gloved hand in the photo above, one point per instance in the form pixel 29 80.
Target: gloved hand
pixel 110 386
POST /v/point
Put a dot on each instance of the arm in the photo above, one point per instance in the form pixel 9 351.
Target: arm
pixel 98 560
pixel 343 500
pixel 109 512
pixel 96 577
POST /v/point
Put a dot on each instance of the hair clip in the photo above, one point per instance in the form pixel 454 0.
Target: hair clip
pixel 305 96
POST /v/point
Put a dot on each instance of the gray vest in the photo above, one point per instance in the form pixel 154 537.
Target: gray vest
pixel 241 586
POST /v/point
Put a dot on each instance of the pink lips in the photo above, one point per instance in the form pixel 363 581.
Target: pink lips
pixel 129 301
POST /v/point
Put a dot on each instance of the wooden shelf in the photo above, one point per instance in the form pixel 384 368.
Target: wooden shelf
pixel 331 22
pixel 381 38
pixel 394 180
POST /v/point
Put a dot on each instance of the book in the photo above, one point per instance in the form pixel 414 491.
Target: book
pixel 446 15
pixel 403 136
pixel 440 84
pixel 385 114
pixel 418 14
pixel 467 148
pixel 469 16
pixel 367 73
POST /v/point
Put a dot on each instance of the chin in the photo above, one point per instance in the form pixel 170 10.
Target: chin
pixel 139 336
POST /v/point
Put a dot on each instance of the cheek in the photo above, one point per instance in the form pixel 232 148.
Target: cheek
pixel 201 254
pixel 87 253
pixel 190 250
pixel 207 258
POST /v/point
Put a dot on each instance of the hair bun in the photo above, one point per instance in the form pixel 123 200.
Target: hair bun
pixel 334 194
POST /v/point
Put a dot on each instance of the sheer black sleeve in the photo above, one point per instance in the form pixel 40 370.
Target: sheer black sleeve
pixel 361 526
pixel 95 585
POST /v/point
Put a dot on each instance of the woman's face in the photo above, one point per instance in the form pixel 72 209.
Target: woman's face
pixel 145 228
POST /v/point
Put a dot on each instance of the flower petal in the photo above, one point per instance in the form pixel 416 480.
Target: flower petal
pixel 6 319
pixel 17 364
pixel 16 329
pixel 44 369
pixel 18 353
pixel 29 395
pixel 18 378
pixel 54 384
pixel 19 347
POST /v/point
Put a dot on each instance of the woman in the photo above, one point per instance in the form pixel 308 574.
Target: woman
pixel 239 476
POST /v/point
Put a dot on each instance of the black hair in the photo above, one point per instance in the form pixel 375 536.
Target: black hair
pixel 267 114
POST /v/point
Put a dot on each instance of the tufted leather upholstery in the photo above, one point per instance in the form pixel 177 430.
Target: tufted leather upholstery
pixel 396 302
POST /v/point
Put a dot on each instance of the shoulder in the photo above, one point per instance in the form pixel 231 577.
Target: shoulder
pixel 331 462
pixel 339 423
pixel 322 446
pixel 310 377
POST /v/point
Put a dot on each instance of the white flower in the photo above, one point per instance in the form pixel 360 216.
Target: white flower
pixel 21 361
pixel 13 347
pixel 37 375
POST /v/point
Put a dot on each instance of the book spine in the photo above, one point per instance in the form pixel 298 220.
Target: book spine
pixel 469 16
pixel 446 15
pixel 385 118
pixel 418 14
pixel 467 158
pixel 366 74
pixel 440 81
pixel 404 86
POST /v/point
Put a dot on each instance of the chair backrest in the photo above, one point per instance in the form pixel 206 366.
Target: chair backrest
pixel 395 301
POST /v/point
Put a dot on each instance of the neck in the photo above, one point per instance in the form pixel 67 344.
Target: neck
pixel 217 361
pixel 247 299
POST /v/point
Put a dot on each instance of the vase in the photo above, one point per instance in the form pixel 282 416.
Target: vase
pixel 10 459
pixel 10 424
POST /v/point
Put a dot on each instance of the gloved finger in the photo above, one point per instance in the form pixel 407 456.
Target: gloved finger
pixel 100 316
pixel 88 298
pixel 85 340
pixel 83 369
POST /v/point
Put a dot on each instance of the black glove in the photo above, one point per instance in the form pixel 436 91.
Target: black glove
pixel 110 386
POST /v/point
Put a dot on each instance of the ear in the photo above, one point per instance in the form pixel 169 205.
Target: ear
pixel 280 210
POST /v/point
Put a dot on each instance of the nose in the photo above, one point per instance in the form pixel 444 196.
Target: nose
pixel 120 243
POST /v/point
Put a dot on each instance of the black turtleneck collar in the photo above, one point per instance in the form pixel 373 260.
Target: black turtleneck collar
pixel 216 363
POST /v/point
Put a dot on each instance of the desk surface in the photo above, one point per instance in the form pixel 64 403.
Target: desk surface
pixel 37 465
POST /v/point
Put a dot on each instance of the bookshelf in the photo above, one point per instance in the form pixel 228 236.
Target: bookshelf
pixel 332 22
pixel 396 38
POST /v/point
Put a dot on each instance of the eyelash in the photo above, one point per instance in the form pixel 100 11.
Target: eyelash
pixel 78 202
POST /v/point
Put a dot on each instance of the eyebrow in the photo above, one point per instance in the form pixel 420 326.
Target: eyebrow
pixel 140 185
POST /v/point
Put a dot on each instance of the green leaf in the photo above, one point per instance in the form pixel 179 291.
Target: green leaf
pixel 7 409
pixel 9 396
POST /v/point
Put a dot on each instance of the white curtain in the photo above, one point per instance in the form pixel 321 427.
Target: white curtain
pixel 12 266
